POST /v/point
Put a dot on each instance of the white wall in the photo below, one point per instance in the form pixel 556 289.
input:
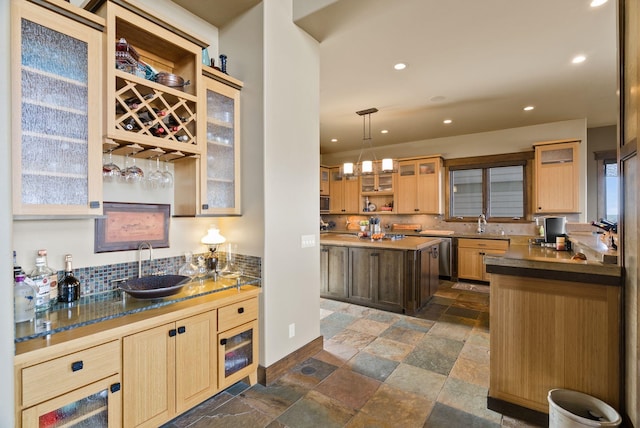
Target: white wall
pixel 291 104
pixel 278 64
pixel 6 272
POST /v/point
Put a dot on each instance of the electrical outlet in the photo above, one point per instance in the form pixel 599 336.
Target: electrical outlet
pixel 292 330
pixel 307 241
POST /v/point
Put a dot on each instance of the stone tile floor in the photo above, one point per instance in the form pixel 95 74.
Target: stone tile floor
pixel 377 369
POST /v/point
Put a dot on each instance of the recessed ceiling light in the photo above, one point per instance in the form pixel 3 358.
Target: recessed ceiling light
pixel 400 66
pixel 596 3
pixel 384 131
pixel 334 140
pixel 578 59
pixel 528 108
pixel 447 121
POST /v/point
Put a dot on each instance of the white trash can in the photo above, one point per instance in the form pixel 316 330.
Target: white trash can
pixel 573 409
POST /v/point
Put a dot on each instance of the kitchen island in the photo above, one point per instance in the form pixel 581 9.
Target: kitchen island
pixel 397 273
pixel 555 323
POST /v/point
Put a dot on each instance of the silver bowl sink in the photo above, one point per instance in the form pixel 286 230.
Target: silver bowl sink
pixel 152 287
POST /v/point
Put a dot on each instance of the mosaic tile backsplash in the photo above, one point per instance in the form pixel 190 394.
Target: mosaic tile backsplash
pixel 99 279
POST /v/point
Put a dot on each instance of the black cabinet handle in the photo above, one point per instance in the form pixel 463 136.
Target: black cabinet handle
pixel 205 206
pixel 172 332
pixel 223 342
pixel 241 310
pixel 115 387
pixel 182 330
pixel 78 365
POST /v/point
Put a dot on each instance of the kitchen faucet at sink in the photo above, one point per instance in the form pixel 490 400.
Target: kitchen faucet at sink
pixel 482 223
pixel 141 247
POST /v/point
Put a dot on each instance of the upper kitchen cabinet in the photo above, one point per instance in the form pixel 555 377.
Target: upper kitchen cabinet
pixel 142 107
pixel 420 186
pixel 56 97
pixel 344 193
pixel 556 177
pixel 324 181
pixel 221 168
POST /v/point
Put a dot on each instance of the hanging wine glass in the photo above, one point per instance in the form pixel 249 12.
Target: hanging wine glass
pixel 110 171
pixel 133 173
pixel 167 177
pixel 156 177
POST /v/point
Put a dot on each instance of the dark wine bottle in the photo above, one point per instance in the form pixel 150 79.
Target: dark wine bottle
pixel 69 287
pixel 130 124
pixel 158 131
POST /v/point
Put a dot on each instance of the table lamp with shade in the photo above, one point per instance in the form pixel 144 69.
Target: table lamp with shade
pixel 212 239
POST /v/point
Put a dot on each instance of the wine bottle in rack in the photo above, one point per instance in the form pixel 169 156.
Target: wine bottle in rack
pixel 148 118
pixel 132 103
pixel 157 131
pixel 131 125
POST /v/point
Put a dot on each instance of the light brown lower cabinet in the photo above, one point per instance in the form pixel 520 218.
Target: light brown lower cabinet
pixel 238 342
pixel 141 370
pixel 549 334
pixel 471 254
pixel 169 369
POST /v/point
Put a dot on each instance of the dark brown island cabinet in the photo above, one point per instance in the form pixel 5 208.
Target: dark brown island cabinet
pixel 398 276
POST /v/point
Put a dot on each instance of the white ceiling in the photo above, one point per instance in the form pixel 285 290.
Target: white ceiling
pixel 477 62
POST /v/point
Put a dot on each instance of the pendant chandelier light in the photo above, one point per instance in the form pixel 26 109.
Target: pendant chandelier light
pixel 368 166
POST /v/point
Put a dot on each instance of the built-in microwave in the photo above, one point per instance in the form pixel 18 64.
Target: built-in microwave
pixel 324 204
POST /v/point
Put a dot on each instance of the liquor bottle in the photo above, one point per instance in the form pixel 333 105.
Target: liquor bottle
pixel 69 286
pixel 24 297
pixel 53 278
pixel 17 269
pixel 39 280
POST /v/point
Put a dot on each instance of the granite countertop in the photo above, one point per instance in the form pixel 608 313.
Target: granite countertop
pixel 351 239
pixel 114 304
pixel 545 258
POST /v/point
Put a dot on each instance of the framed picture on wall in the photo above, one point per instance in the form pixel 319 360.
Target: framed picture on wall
pixel 125 225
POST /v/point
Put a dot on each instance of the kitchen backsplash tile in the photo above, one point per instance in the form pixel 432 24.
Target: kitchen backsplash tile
pixel 99 279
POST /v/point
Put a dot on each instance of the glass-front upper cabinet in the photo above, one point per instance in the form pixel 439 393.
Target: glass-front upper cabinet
pixel 221 164
pixel 57 114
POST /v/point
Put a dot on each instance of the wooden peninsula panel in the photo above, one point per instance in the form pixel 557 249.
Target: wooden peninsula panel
pixel 548 333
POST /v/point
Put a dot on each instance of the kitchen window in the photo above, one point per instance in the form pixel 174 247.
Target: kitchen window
pixel 607 185
pixel 492 185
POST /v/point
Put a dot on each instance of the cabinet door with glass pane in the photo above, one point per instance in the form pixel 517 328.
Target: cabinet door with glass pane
pixel 57 114
pixel 96 405
pixel 221 166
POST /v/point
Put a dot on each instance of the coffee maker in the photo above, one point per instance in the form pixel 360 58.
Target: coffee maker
pixel 553 228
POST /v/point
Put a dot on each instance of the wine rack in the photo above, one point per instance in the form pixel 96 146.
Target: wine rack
pixel 143 111
pixel 147 110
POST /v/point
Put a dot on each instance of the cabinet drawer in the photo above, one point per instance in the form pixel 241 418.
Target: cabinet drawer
pixel 238 313
pixel 61 375
pixel 494 244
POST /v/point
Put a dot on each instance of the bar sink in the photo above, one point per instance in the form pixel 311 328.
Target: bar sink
pixel 155 286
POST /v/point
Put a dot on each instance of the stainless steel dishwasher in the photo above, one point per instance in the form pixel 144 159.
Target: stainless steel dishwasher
pixel 445 257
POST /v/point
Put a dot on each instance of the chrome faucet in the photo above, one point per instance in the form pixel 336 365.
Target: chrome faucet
pixel 143 246
pixel 482 223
